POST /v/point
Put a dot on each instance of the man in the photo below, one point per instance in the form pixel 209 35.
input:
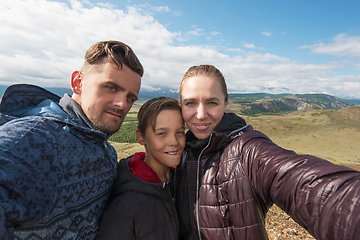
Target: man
pixel 56 166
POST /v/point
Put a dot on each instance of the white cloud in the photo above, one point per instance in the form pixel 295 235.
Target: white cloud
pixel 150 9
pixel 88 3
pixel 156 8
pixel 195 33
pixel 42 42
pixel 234 50
pixel 268 34
pixel 267 57
pixel 342 45
pixel 105 5
pixel 247 45
pixel 215 33
pixel 34 31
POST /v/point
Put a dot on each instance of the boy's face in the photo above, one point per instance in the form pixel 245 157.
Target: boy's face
pixel 165 145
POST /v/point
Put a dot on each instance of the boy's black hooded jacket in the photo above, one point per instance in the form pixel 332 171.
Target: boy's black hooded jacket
pixel 139 209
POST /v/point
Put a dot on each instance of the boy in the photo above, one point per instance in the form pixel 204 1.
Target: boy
pixel 141 205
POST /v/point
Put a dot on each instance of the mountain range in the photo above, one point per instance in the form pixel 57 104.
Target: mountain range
pixel 251 103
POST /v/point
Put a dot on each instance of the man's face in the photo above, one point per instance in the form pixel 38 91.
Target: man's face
pixel 106 94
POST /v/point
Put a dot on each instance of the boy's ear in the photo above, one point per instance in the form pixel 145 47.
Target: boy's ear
pixel 139 137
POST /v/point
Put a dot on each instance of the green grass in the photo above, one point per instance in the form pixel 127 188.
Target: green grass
pixel 126 134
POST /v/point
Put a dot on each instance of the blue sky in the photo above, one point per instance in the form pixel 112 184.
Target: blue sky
pixel 260 46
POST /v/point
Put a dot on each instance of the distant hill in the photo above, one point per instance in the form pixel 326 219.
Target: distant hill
pixel 352 101
pixel 264 103
pixel 250 103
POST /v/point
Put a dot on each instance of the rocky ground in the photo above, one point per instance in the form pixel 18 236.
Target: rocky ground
pixel 280 226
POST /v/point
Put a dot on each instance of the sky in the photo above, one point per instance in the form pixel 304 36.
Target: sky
pixel 282 46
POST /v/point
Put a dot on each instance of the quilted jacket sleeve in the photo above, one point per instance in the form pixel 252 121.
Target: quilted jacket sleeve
pixel 26 181
pixel 320 196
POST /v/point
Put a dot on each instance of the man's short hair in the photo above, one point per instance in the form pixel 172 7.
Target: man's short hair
pixel 114 52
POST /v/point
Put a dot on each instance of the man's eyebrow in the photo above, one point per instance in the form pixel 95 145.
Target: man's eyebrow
pixel 114 84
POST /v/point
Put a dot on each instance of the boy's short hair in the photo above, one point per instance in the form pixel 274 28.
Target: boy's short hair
pixel 150 110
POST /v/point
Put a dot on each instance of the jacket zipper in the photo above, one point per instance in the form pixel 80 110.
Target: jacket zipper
pixel 174 210
pixel 198 187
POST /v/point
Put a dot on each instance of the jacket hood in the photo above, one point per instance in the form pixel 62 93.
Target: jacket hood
pixel 25 100
pixel 19 96
pixel 141 170
pixel 127 181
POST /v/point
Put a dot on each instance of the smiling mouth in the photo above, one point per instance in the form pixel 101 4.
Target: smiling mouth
pixel 202 126
pixel 174 153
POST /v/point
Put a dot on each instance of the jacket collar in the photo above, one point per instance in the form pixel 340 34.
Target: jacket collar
pixel 73 109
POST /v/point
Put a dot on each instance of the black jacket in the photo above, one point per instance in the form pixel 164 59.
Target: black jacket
pixel 139 209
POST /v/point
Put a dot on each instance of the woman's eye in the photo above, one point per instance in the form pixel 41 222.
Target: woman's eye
pixel 189 103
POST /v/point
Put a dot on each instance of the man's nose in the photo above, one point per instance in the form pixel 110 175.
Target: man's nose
pixel 121 101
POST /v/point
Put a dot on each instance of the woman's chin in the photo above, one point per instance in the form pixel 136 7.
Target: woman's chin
pixel 202 135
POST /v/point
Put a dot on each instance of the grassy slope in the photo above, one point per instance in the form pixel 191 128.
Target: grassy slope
pixel 330 134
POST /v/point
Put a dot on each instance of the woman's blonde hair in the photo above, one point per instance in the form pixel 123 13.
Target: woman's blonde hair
pixel 205 70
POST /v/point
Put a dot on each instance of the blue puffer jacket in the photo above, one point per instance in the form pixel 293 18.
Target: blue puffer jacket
pixel 56 171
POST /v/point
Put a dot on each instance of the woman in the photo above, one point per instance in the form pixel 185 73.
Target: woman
pixel 230 174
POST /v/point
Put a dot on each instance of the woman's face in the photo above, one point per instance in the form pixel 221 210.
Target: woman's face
pixel 203 105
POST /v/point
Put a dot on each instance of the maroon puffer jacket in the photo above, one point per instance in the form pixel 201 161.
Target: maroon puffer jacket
pixel 237 188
